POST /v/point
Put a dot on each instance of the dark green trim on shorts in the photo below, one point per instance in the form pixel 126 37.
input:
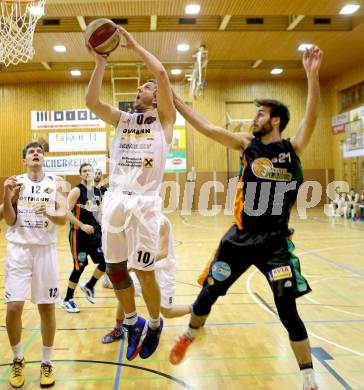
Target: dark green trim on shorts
pixel 302 286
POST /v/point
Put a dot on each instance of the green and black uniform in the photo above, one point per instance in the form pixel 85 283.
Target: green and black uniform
pixel 83 244
pixel 270 178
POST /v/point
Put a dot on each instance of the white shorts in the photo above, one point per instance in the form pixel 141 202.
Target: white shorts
pixel 166 278
pixel 130 229
pixel 34 265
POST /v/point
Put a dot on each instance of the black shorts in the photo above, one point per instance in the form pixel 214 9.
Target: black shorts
pixel 81 248
pixel 271 253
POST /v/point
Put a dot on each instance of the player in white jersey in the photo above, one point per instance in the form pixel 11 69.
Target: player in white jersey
pixel 33 205
pixel 165 271
pixel 132 206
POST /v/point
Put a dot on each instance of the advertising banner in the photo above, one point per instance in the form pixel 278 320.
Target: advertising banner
pixel 65 119
pixel 77 142
pixel 69 165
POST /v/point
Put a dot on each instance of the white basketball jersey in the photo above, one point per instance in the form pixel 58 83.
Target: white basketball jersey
pixel 138 153
pixel 29 227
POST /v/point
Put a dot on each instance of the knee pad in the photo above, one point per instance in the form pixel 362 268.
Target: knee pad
pixel 76 274
pixel 290 318
pixel 119 276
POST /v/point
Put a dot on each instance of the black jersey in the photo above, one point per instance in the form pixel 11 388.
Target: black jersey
pixel 102 190
pixel 270 177
pixel 86 210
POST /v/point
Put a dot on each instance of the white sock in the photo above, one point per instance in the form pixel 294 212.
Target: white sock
pixel 17 351
pixel 154 323
pixel 191 333
pixel 131 318
pixel 307 372
pixel 47 354
pixel 308 377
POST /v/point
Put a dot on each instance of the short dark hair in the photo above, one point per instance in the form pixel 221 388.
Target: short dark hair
pixel 154 81
pixel 32 145
pixel 85 164
pixel 277 110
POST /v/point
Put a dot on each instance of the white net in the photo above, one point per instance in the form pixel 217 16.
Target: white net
pixel 17 24
pixel 198 76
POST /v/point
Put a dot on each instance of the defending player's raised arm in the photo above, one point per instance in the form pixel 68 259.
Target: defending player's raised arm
pixel 311 61
pixel 104 111
pixel 166 109
pixel 227 138
pixel 11 194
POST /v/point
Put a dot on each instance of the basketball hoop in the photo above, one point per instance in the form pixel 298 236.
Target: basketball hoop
pixel 18 19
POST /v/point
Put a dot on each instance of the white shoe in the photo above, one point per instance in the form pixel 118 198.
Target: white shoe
pixel 90 293
pixel 309 382
pixel 70 306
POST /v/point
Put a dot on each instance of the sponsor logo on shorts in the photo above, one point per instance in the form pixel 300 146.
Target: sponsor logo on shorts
pixel 280 273
pixel 210 281
pixel 288 284
pixel 99 250
pixel 81 257
pixel 170 300
pixel 45 224
pixel 221 271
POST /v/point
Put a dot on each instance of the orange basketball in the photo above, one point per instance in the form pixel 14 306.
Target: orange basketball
pixel 102 35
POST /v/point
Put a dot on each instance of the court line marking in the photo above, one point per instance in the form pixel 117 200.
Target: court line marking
pixel 330 307
pixel 185 222
pixel 227 324
pixel 323 357
pixel 167 376
pixel 334 308
pixel 327 249
pixel 309 332
pixel 26 347
pixel 120 363
pixel 304 251
pixel 65 380
pixel 332 262
pixel 339 265
pixel 159 373
pixel 353 225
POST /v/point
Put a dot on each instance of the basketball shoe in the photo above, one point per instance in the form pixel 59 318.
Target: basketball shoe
pixel 179 349
pixel 16 377
pixel 113 335
pixel 136 335
pixel 151 341
pixel 47 377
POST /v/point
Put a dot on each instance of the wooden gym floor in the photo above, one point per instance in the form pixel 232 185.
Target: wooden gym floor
pixel 243 345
